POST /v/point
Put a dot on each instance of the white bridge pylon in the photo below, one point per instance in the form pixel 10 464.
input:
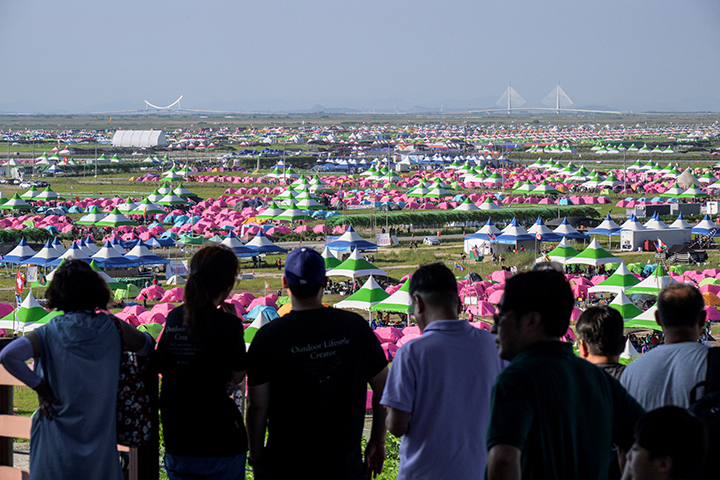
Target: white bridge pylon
pixel 176 102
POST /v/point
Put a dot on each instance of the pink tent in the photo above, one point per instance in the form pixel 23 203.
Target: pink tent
pixel 162 308
pixel 481 325
pixel 173 295
pixel 710 288
pixel 500 276
pixel 5 309
pixel 414 330
pixel 713 314
pixel 150 317
pixel 495 297
pixel 389 349
pixel 406 339
pixel 576 312
pixel 129 318
pixel 244 298
pixel 267 300
pixel 483 309
pixel 134 310
pixel 388 334
pixel 569 335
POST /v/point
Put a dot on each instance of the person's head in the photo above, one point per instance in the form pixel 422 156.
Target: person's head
pixel 433 289
pixel 305 274
pixel 536 306
pixel 680 305
pixel 670 443
pixel 600 331
pixel 211 277
pixel 76 286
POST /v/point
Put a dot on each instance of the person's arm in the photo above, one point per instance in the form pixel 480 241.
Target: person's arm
pixel 236 379
pixel 397 421
pixel 375 450
pixel 504 463
pixel 15 356
pixel 256 420
pixel 136 341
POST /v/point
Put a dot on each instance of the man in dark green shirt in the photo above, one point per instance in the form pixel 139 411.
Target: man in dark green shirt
pixel 553 415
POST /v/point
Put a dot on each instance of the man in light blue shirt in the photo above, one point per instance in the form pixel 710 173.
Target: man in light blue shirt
pixel 438 390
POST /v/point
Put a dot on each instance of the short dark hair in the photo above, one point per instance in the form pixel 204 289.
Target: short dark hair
pixel 435 282
pixel 680 305
pixel 543 291
pixel 676 433
pixel 601 328
pixel 75 286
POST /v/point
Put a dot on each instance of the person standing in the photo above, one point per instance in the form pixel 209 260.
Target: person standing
pixel 553 415
pixel 77 367
pixel 600 338
pixel 202 360
pixel 308 373
pixel 666 374
pixel 438 390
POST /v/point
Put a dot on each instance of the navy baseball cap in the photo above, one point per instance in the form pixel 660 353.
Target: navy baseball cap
pixel 304 266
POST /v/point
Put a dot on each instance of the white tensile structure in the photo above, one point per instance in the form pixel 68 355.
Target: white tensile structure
pixel 139 138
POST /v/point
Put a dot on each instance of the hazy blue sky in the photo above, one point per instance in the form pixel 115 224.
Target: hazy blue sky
pixel 80 55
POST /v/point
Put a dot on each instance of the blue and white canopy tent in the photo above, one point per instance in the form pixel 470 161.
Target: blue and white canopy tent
pixel 261 244
pixel 350 241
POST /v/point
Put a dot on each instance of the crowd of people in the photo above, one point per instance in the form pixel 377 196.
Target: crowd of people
pixel 514 403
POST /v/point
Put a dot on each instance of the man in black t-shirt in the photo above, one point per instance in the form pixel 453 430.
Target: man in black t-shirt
pixel 307 376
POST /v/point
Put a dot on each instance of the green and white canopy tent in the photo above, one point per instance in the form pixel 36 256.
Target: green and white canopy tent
pixel 624 305
pixel 356 266
pixel 15 203
pixel 292 214
pixel 563 252
pixel 369 294
pixel 127 206
pixel 466 206
pixel 618 282
pixel 48 194
pixel 652 284
pixel 272 211
pixel 594 255
pixel 400 301
pixel 30 194
pixel 112 283
pixel 94 215
pixel 644 320
pixel 331 261
pixel 264 317
pixel 115 219
pixel 543 189
pixel 146 207
pixel 183 192
pixel 46 319
pixel 172 199
pixel 26 314
pixel 155 196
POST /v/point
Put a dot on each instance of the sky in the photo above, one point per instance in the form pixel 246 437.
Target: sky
pixel 79 56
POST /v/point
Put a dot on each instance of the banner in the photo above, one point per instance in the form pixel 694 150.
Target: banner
pixel 383 239
pixel 31 274
pixel 176 267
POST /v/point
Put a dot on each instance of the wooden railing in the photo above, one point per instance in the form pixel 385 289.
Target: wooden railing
pixel 143 462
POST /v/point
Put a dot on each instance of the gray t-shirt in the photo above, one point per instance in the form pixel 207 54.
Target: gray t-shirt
pixel 666 374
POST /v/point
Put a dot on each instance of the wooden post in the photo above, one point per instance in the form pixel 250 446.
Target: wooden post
pixel 144 460
pixel 6 408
